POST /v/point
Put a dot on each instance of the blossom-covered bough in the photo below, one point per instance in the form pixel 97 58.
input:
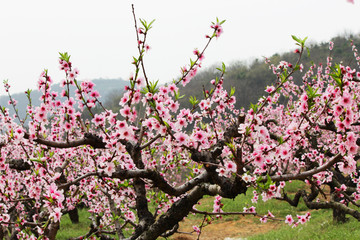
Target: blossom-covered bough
pixel 140 172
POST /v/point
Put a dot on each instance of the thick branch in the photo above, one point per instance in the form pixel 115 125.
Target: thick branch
pixel 309 173
pixel 159 181
pixel 177 212
pixel 66 185
pixel 224 213
pixel 308 199
pixel 145 216
pixel 18 164
pixel 89 139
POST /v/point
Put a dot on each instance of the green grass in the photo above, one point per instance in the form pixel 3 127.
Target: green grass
pixel 68 229
pixel 320 226
pixel 278 208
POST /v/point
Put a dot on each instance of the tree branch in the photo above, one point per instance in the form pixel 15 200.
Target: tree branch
pixel 89 139
pixel 309 173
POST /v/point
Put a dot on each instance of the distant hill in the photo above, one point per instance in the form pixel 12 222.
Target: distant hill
pixel 105 87
pixel 251 79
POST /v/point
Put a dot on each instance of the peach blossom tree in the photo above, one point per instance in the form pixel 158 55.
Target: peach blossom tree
pixel 144 171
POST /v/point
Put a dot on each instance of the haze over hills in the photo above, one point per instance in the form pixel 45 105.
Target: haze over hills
pixel 105 87
pixel 249 80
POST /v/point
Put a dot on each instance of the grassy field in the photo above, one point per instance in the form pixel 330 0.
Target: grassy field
pixel 320 225
pixel 69 230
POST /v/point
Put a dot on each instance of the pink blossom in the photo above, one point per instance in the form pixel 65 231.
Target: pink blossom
pixel 270 89
pixel 196 229
pixel 221 171
pixel 230 166
pixel 130 215
pixel 110 168
pixel 54 194
pixel 125 111
pixel 302 219
pixel 252 209
pixel 56 214
pixel 289 220
pixel 94 94
pixel 340 126
pixel 270 215
pixel 264 219
pixel 182 138
pixel 199 135
pixel 246 178
pixel 346 100
pixel 338 110
pixel 140 82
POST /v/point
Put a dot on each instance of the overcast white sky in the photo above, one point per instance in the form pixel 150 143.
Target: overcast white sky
pixel 100 35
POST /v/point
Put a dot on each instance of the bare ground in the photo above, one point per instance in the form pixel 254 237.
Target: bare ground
pixel 221 229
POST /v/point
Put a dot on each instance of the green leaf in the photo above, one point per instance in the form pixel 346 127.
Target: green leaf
pixel 303 41
pixel 135 60
pixel 166 124
pixel 223 70
pixel 300 42
pixel 153 150
pixel 211 91
pixel 151 23
pixel 144 90
pixel 254 107
pixel 232 91
pixel 156 117
pixel 125 184
pixel 143 22
pixel 153 87
pixel 146 25
pixel 36 160
pixel 132 84
pixel 177 95
pixel 193 100
pixel 296 39
pixel 230 145
pixel 64 56
pixel 192 63
pixel 281 140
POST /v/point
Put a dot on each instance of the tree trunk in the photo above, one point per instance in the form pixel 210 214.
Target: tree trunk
pixel 339 216
pixel 53 229
pixel 74 215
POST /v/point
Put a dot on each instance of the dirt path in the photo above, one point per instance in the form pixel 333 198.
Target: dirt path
pixel 221 229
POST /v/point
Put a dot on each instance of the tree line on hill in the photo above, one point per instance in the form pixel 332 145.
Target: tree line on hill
pixel 248 79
